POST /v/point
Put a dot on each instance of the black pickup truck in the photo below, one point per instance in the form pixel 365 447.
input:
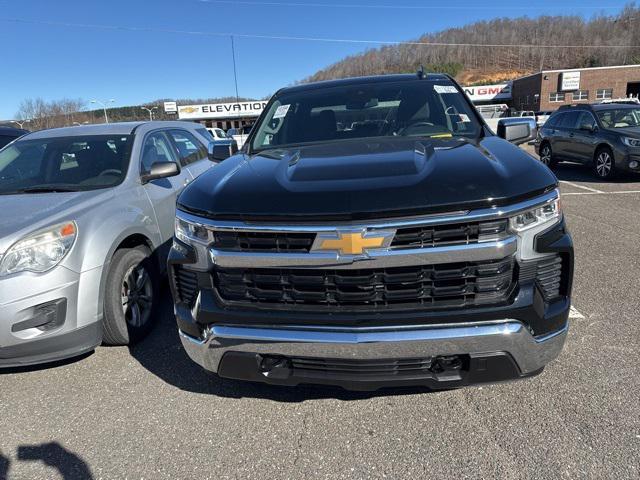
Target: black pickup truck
pixel 373 232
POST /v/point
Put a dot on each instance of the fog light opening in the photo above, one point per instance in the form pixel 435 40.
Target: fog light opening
pixel 634 164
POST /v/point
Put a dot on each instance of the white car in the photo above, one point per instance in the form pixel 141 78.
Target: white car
pixel 217 133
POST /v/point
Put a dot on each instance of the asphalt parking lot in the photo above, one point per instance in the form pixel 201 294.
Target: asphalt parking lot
pixel 149 412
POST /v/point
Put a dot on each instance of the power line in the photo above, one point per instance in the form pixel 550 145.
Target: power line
pixel 397 7
pixel 301 38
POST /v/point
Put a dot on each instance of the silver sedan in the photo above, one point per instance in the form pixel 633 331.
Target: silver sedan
pixel 86 219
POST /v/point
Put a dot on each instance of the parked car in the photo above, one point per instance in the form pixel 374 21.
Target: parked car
pixel 86 221
pixel 217 133
pixel 240 135
pixel 422 250
pixel 9 134
pixel 605 137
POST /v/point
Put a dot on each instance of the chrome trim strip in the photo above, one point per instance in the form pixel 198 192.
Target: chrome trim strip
pixel 366 336
pixel 494 213
pixel 375 258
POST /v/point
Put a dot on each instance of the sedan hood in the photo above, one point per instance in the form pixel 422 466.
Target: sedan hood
pixel 367 179
pixel 25 213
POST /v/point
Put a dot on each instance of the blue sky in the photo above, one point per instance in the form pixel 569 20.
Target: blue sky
pixel 61 59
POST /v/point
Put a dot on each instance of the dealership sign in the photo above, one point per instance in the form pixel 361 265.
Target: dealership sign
pixel 221 110
pixel 569 81
pixel 489 92
pixel 170 107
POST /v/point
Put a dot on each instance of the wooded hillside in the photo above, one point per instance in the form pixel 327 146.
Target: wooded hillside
pixel 486 64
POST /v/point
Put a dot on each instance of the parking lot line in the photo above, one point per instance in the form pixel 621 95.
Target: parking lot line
pixel 573 313
pixel 601 193
pixel 581 186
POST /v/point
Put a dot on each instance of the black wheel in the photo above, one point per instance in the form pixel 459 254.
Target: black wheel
pixel 604 166
pixel 131 297
pixel 546 155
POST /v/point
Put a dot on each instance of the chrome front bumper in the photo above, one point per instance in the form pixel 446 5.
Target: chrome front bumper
pixel 509 336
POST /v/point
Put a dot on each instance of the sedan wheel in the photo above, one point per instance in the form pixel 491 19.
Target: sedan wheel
pixel 137 296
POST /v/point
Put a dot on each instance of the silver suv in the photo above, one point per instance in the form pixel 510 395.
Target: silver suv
pixel 86 222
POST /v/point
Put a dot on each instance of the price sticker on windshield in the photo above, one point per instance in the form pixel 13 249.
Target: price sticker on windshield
pixel 445 89
pixel 281 111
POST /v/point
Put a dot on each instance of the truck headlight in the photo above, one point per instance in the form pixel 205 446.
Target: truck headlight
pixel 631 142
pixel 548 213
pixel 188 232
pixel 40 251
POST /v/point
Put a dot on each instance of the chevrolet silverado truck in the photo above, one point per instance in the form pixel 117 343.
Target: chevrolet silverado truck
pixel 373 232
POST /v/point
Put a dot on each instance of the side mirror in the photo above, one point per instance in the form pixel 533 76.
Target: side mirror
pixel 221 150
pixel 161 170
pixel 517 130
pixel 588 127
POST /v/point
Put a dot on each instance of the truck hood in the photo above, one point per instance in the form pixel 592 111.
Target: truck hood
pixel 25 213
pixel 352 180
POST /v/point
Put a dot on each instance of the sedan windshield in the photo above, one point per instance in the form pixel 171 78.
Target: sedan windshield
pixel 64 163
pixel 420 108
pixel 620 118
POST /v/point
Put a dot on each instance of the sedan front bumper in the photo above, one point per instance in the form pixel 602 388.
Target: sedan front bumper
pixel 370 358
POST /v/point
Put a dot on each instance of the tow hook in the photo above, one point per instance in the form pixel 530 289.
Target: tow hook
pixel 447 367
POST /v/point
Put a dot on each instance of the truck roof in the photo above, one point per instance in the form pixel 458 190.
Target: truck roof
pixel 345 82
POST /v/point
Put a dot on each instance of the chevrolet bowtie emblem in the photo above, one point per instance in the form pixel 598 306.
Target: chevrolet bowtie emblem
pixel 352 243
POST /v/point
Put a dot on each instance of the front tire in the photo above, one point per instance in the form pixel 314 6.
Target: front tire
pixel 604 165
pixel 131 297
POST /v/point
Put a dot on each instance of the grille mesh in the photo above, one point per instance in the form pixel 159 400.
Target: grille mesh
pixel 427 287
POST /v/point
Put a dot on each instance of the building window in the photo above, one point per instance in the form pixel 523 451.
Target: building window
pixel 581 95
pixel 604 94
pixel 556 97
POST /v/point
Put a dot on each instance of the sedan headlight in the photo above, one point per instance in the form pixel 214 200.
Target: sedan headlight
pixel 188 232
pixel 548 213
pixel 631 142
pixel 40 251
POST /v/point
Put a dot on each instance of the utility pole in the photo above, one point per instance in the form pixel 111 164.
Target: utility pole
pixel 104 107
pixel 150 110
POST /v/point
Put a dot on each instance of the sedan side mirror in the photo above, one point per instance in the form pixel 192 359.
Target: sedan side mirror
pixel 517 130
pixel 161 170
pixel 221 150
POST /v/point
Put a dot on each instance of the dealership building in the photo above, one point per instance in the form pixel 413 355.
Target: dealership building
pixel 550 89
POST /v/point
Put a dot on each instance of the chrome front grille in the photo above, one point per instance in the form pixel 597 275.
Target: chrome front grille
pixel 424 236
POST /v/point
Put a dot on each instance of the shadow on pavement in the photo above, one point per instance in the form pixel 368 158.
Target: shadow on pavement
pixel 574 172
pixel 68 464
pixel 162 354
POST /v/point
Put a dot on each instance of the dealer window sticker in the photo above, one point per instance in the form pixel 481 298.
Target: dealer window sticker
pixel 445 89
pixel 282 111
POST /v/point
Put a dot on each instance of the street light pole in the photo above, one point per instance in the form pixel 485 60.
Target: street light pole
pixel 20 124
pixel 104 107
pixel 150 110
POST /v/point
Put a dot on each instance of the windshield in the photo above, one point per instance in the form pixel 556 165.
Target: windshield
pixel 420 108
pixel 620 118
pixel 64 163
